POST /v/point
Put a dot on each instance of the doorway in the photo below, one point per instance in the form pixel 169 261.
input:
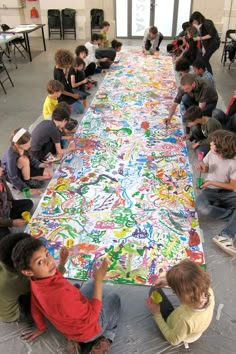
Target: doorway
pixel 134 16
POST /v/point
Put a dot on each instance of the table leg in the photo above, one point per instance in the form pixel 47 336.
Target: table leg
pixel 26 36
pixel 44 44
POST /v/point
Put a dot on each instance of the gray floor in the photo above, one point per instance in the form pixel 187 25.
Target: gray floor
pixel 137 333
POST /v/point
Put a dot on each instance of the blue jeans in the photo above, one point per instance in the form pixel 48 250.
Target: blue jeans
pixel 78 107
pixel 218 204
pixel 110 312
pixel 189 101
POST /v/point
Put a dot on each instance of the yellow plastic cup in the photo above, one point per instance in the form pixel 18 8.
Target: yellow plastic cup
pixel 26 216
pixel 156 297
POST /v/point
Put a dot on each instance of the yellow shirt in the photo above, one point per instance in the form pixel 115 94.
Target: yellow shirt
pixel 49 106
pixel 186 323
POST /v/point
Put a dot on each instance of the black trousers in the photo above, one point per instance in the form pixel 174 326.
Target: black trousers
pixel 166 306
pixel 18 207
pixel 90 69
pixel 148 43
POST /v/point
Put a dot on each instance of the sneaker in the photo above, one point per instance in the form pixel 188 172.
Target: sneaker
pixel 226 244
pixel 102 346
pixel 73 347
pixel 34 184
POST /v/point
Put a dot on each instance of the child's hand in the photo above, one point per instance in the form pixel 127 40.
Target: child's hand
pixel 153 308
pixel 206 184
pixel 35 191
pixel 186 137
pixel 201 167
pixel 31 334
pixel 63 255
pixel 19 222
pixel 85 81
pixel 161 282
pixel 75 96
pixel 99 273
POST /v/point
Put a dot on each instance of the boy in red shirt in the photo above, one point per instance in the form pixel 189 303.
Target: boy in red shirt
pixel 80 318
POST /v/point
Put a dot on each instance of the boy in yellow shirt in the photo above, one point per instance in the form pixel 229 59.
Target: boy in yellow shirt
pixel 54 89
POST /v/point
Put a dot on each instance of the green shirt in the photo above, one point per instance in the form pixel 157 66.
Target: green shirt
pixel 185 323
pixel 105 41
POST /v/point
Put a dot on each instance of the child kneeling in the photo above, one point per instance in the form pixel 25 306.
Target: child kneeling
pixel 186 323
pixel 82 316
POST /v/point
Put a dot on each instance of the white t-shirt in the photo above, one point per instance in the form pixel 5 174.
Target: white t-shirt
pixel 220 170
pixel 91 53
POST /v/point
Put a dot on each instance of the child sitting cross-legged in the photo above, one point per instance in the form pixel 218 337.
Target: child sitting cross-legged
pixel 81 315
pixel 186 323
pixel 200 128
pixel 54 89
pixel 77 79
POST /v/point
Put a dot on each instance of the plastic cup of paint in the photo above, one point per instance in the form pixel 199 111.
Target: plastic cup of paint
pixel 26 192
pixel 199 182
pixel 200 155
pixel 26 216
pixel 85 103
pixel 156 297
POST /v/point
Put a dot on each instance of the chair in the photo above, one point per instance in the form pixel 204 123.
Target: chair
pixel 229 46
pixel 68 22
pixel 54 22
pixel 2 70
pixel 97 18
pixel 17 42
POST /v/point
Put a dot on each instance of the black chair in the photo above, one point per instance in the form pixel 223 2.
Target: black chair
pixel 227 44
pixel 17 43
pixel 54 22
pixel 97 18
pixel 3 69
pixel 68 22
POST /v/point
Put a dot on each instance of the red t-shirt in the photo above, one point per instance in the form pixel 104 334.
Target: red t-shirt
pixel 65 307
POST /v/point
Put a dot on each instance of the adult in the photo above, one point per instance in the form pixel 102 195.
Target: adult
pixel 194 91
pixel 228 118
pixel 152 39
pixel 106 56
pixel 208 35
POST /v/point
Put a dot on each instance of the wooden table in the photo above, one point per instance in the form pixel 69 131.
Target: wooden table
pixel 25 30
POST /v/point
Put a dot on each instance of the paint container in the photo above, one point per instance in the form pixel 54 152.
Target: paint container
pixel 85 103
pixel 26 216
pixel 156 297
pixel 199 182
pixel 26 192
pixel 200 155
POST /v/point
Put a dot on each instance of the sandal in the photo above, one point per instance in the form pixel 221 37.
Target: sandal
pixel 226 244
pixel 73 347
pixel 102 346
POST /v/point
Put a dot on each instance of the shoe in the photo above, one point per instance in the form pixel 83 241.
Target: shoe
pixel 73 347
pixel 34 184
pixel 51 158
pixel 226 244
pixel 102 346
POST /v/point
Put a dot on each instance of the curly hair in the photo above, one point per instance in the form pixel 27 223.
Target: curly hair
pixel 225 143
pixel 182 65
pixel 189 281
pixel 7 245
pixel 63 58
pixel 23 252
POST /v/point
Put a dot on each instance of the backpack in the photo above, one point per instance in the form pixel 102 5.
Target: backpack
pixel 230 49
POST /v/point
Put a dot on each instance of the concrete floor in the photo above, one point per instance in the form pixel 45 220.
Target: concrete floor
pixel 23 104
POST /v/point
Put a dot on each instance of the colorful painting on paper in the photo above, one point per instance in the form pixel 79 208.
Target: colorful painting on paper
pixel 126 193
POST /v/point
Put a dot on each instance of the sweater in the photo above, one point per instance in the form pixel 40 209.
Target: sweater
pixel 186 323
pixel 12 285
pixel 65 307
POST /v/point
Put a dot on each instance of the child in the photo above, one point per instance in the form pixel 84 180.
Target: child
pixel 67 133
pixel 104 40
pixel 192 50
pixel 199 69
pixel 201 128
pixel 81 316
pixel 108 54
pixel 54 89
pixel 64 59
pixel 14 287
pixel 22 169
pixel 11 209
pixel 182 66
pixel 90 60
pixel 175 48
pixel 218 197
pixel 227 119
pixel 77 78
pixel 46 137
pixel 186 323
pixel 82 52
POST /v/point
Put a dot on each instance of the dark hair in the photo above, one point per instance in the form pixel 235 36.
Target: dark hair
pixel 116 44
pixel 105 24
pixel 63 58
pixel 24 139
pixel 23 252
pixel 182 65
pixel 197 16
pixel 7 245
pixel 153 30
pixel 193 113
pixel 185 25
pixel 199 64
pixel 54 86
pixel 78 61
pixel 169 47
pixel 64 105
pixel 187 79
pixel 180 42
pixel 60 113
pixel 225 142
pixel 81 49
pixel 189 281
pixel 95 37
